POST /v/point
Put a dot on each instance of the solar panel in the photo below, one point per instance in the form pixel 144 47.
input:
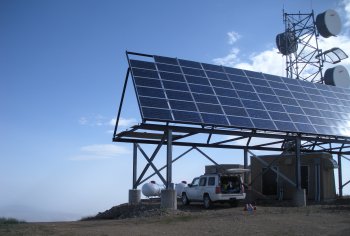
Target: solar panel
pixel 183 91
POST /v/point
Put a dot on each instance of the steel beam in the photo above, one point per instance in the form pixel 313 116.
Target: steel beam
pixel 177 158
pixel 169 159
pixel 297 163
pixel 267 144
pixel 150 163
pixel 340 176
pixel 346 183
pixel 275 135
pixel 208 157
pixel 190 144
pixel 345 158
pixel 150 160
pixel 229 140
pixel 134 166
pixel 121 102
pixel 245 165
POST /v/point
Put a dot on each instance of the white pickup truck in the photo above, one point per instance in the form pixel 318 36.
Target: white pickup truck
pixel 210 188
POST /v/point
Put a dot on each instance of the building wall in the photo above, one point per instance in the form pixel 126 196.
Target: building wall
pixel 286 165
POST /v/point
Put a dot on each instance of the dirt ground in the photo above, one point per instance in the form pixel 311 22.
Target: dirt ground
pixel 324 219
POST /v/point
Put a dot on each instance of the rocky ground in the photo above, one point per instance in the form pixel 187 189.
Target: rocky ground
pixel 270 218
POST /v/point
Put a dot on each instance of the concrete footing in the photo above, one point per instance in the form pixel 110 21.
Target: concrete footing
pixel 168 199
pixel 134 196
pixel 299 198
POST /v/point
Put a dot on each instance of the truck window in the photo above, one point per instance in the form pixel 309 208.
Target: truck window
pixel 195 182
pixel 203 181
pixel 211 181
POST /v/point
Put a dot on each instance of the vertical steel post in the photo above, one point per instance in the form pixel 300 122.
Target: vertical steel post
pixel 297 163
pixel 169 159
pixel 121 102
pixel 340 176
pixel 134 166
pixel 246 165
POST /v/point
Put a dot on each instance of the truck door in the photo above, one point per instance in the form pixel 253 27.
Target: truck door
pixel 201 188
pixel 193 189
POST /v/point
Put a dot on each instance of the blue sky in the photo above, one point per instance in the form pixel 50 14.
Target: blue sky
pixel 62 68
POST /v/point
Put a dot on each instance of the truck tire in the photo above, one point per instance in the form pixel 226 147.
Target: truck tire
pixel 184 199
pixel 207 201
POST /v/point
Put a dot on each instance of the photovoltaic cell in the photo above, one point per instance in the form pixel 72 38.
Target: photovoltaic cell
pixel 192 71
pixel 220 83
pixel 213 119
pixel 235 111
pixel 185 116
pixel 212 67
pixel 177 90
pixel 226 92
pixel 191 64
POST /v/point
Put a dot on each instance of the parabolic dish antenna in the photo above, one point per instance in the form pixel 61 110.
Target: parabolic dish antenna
pixel 328 23
pixel 287 43
pixel 337 76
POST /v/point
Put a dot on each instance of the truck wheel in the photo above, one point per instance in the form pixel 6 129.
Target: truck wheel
pixel 207 201
pixel 184 199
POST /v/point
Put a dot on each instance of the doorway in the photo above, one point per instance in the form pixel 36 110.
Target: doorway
pixel 304 174
pixel 269 182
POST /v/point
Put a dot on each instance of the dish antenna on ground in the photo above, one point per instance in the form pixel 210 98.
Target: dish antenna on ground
pixel 304 58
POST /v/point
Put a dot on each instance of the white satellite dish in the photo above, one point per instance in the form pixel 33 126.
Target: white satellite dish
pixel 337 76
pixel 328 23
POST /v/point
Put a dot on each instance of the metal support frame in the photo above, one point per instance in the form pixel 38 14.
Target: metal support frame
pixel 297 163
pixel 157 133
pixel 340 176
pixel 134 167
pixel 162 168
pixel 150 161
pixel 149 133
pixel 245 164
pixel 172 135
pixel 206 156
pixel 169 160
pixel 121 102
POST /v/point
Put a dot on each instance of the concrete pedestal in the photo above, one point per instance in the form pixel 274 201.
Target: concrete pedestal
pixel 168 199
pixel 299 198
pixel 134 196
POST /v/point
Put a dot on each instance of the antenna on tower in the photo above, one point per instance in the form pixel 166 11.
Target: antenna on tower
pixel 299 43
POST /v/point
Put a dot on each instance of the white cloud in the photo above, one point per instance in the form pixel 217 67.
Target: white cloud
pixel 269 61
pixel 123 122
pixel 93 120
pixel 230 59
pixel 99 120
pixel 83 120
pixel 100 151
pixel 346 8
pixel 104 149
pixel 233 37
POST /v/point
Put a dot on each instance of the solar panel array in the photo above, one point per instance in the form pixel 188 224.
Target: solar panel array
pixel 176 90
